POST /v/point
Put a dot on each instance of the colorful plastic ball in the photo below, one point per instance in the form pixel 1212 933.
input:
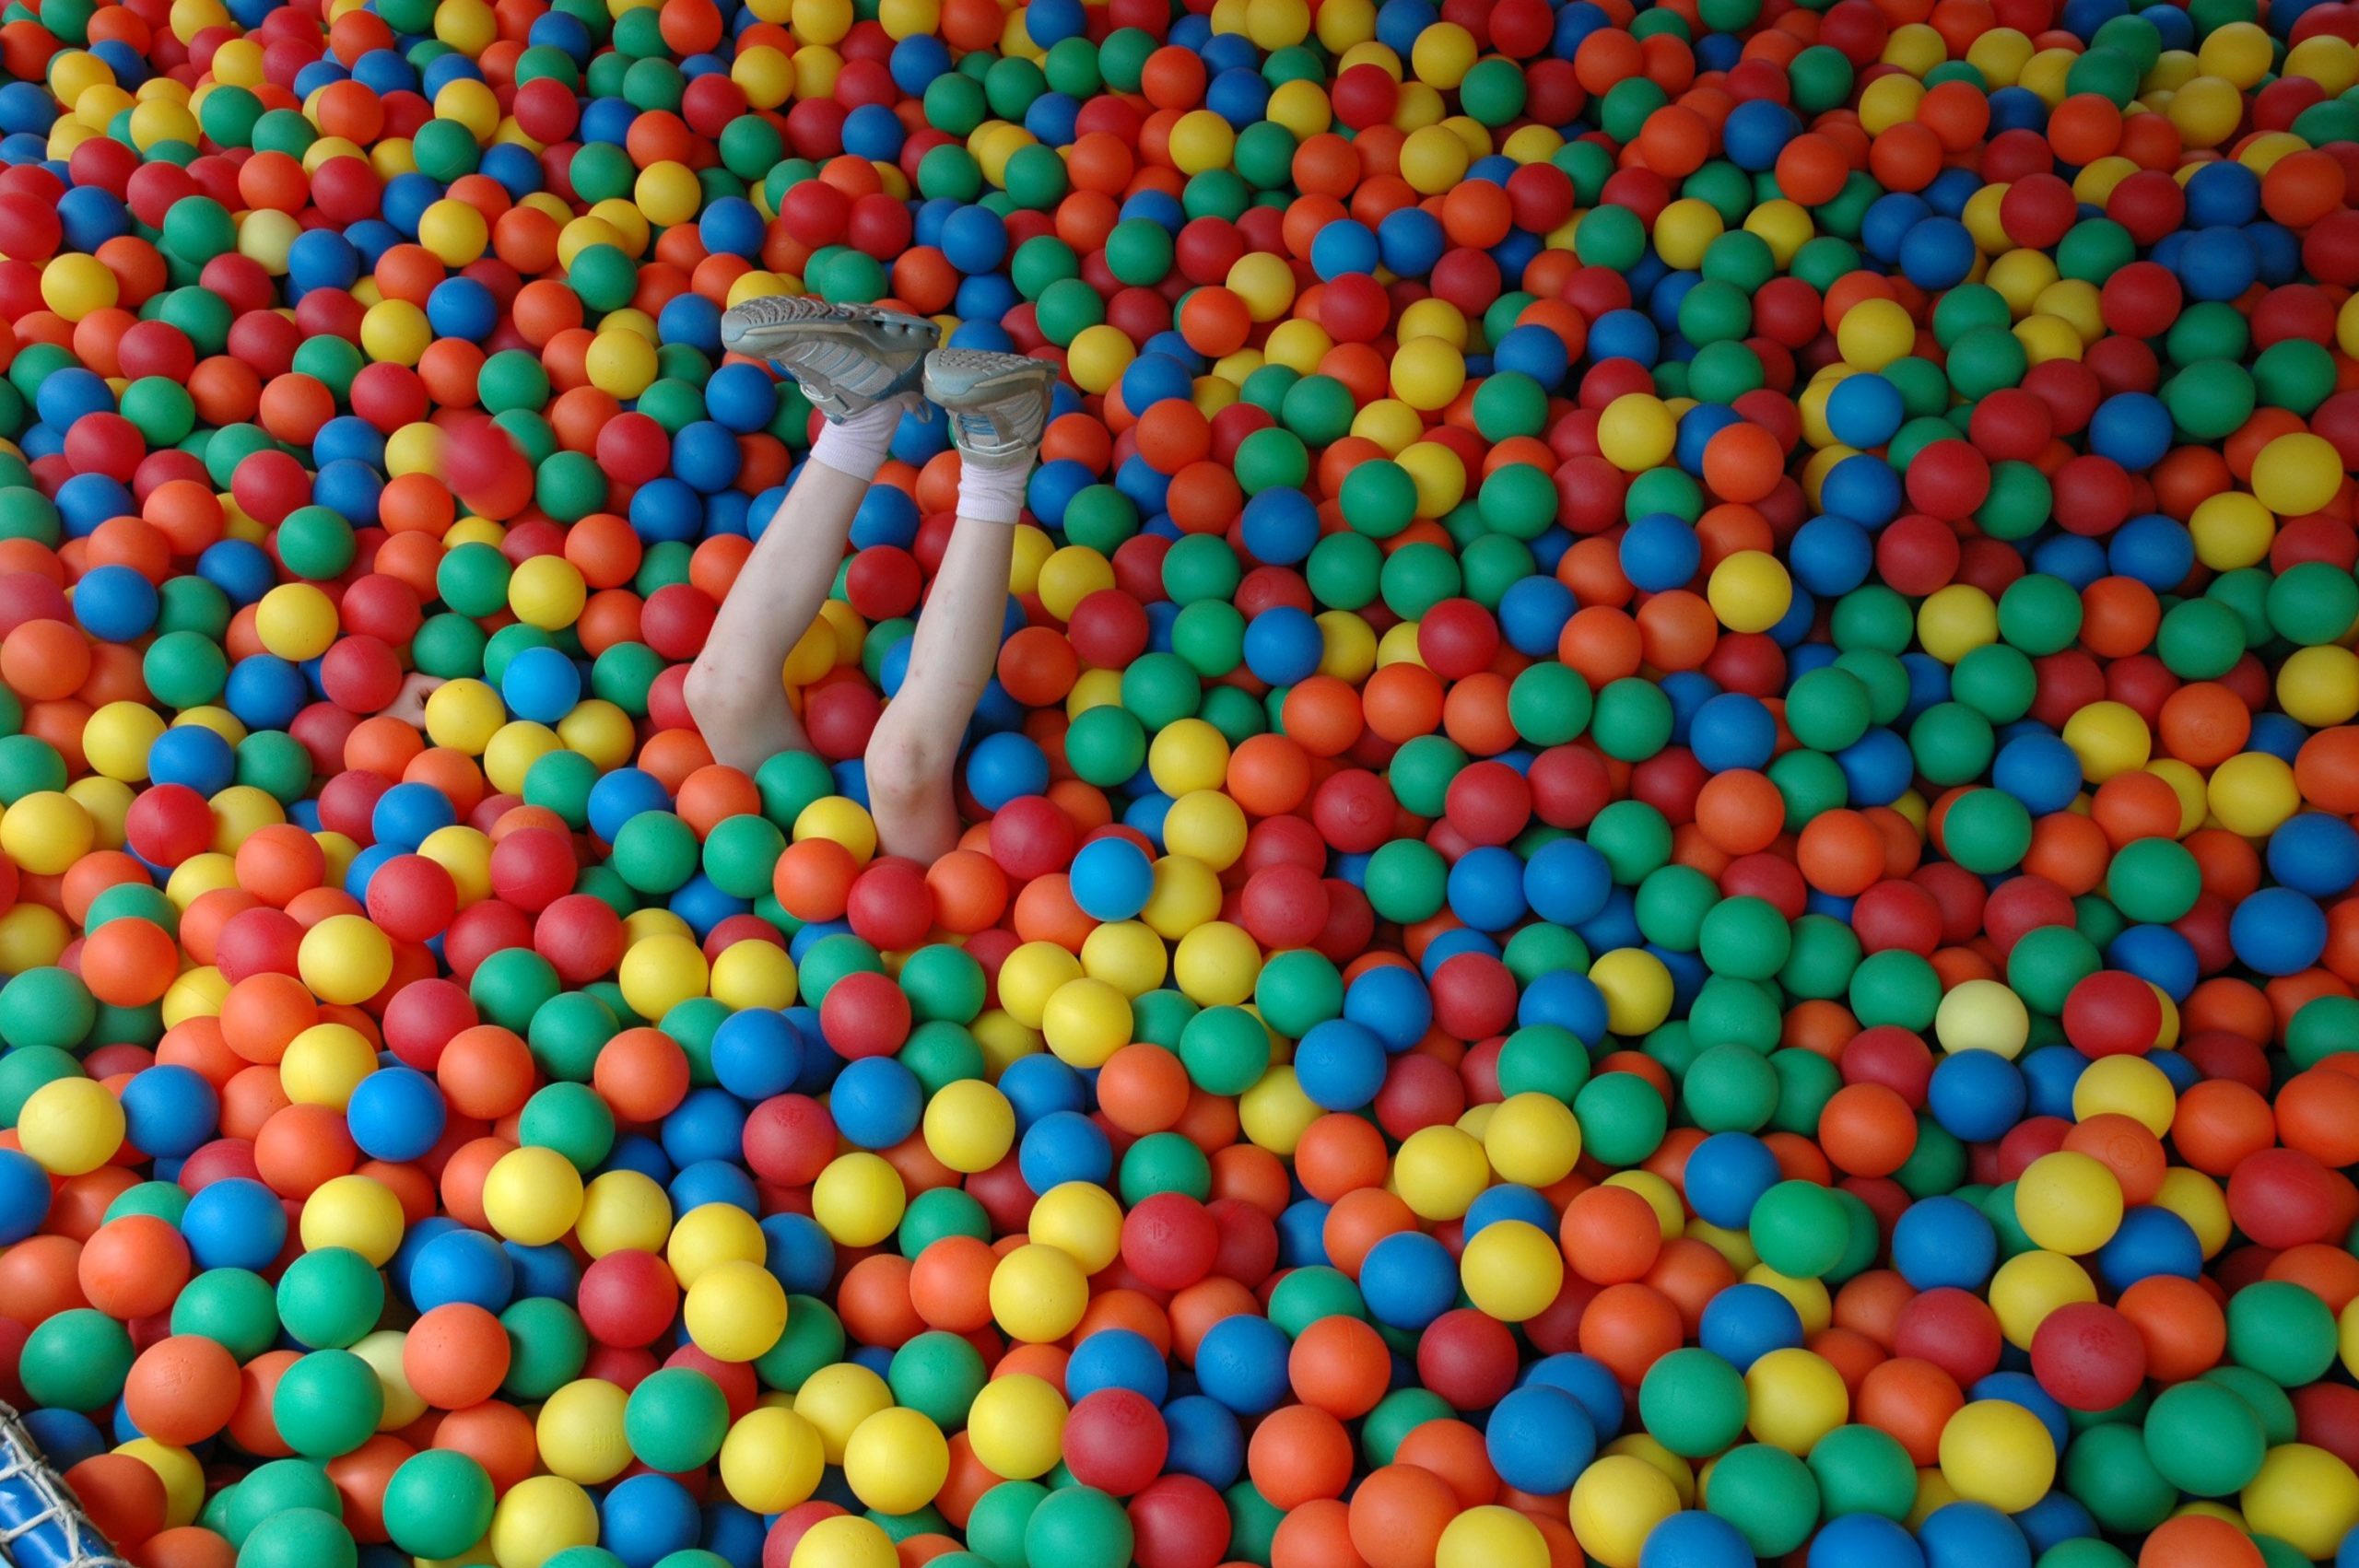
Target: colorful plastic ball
pixel 1617 1505
pixel 71 1126
pixel 1997 1452
pixel 1111 879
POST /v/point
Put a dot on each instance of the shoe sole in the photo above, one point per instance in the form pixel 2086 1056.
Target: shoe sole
pixel 963 378
pixel 759 327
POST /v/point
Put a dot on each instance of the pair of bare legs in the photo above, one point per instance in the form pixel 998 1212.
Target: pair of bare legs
pixel 734 689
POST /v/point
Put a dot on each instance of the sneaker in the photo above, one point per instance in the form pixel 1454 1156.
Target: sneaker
pixel 998 403
pixel 847 357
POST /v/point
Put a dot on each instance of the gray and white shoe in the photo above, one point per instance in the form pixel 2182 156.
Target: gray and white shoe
pixel 847 357
pixel 998 403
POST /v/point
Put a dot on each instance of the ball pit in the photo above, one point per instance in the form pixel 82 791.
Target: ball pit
pixel 1662 849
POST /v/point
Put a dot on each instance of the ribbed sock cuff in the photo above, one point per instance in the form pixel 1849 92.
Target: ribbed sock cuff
pixel 992 495
pixel 858 446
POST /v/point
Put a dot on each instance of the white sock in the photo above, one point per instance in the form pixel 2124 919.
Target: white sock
pixel 992 495
pixel 858 446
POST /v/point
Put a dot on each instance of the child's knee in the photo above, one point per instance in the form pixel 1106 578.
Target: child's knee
pixel 711 693
pixel 902 758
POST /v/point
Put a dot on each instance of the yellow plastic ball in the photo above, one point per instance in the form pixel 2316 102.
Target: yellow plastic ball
pixel 1512 1270
pixel 1956 620
pixel 1442 55
pixel 1206 825
pixel 1686 229
pixel 1187 755
pixel 623 1211
pixel 547 591
pixel 1435 318
pixel 108 803
pixel 1276 24
pixel 578 1432
pixel 1265 284
pixel 735 1311
pixel 1186 893
pixel 455 230
pixel 1216 964
pixel 2126 1085
pixel 821 21
pixel 1098 358
pixel 356 1212
pixel 1127 955
pixel 667 191
pixel 1032 975
pixel 2068 1203
pixel 1616 1503
pixel 1873 332
pixel 1796 1397
pixel 1071 575
pixel 1749 591
pixel 2108 738
pixel 46 832
pixel 765 75
pixel 1081 1220
pixel 1637 990
pixel 532 1195
pixel 2240 54
pixel 467 26
pixel 2029 1286
pixel 859 1198
pixel 753 974
pixel 1428 372
pixel 540 1516
pixel 620 363
pixel 1439 1171
pixel 2316 686
pixel 1202 141
pixel 1998 1452
pixel 659 972
pixel 1017 1426
pixel 709 1235
pixel 772 1460
pixel 1038 1293
pixel 969 1126
pixel 1274 1113
pixel 1491 1536
pixel 395 332
pixel 1301 106
pixel 1636 432
pixel 72 1125
pixel 1982 1015
pixel 2251 793
pixel 836 1399
pixel 344 959
pixel 464 715
pixel 74 286
pixel 296 621
pixel 116 739
pixel 2304 1496
pixel 2232 530
pixel 896 1461
pixel 1532 1139
pixel 1433 160
pixel 841 821
pixel 325 1064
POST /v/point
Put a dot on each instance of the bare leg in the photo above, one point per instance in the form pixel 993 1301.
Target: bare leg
pixel 915 747
pixel 860 367
pixel 734 689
